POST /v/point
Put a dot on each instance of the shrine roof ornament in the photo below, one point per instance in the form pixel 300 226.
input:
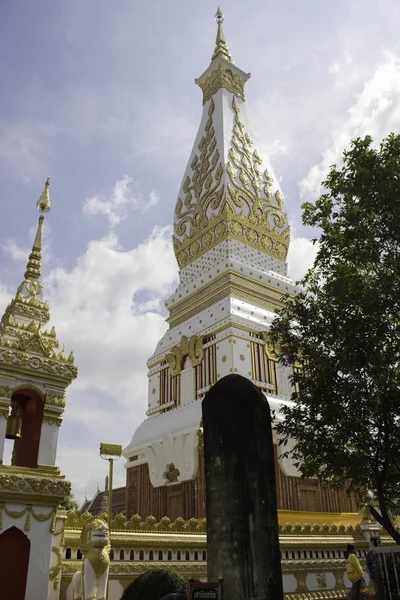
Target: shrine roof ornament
pixel 221 48
pixel 34 263
pixel 229 189
pixel 23 342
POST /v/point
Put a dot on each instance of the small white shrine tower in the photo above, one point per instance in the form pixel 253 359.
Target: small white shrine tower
pixel 33 378
pixel 231 239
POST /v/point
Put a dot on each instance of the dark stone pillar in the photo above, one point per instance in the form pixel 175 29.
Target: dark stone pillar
pixel 242 518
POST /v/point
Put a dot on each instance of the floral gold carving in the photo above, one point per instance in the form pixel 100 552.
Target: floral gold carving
pixel 232 201
pixel 321 580
pixel 52 419
pixel 191 347
pixel 34 485
pixel 54 571
pixel 301 579
pixel 5 391
pixel 269 347
pixel 28 511
pixel 4 412
pixel 53 400
pixel 204 189
pixel 222 77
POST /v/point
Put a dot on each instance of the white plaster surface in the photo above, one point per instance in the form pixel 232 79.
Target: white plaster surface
pixel 48 444
pixel 41 542
pixel 3 427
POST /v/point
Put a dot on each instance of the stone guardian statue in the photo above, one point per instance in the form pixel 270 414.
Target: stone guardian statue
pixel 91 582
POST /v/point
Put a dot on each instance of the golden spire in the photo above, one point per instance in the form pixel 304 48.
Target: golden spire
pixel 33 266
pixel 221 49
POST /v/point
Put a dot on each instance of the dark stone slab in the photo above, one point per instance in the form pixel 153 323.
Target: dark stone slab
pixel 242 518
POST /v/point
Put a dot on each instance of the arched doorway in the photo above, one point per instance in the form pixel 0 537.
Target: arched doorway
pixel 14 561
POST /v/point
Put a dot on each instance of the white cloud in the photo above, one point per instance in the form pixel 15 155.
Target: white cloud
pixel 334 68
pixel 24 148
pixel 126 195
pixel 375 112
pixel 12 250
pixel 107 309
pixel 5 295
pixel 301 256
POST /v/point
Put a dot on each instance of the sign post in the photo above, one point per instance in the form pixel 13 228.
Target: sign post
pixel 203 590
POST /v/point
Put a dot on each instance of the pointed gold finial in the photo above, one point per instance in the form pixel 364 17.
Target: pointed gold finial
pixel 221 49
pixel 33 266
pixel 43 204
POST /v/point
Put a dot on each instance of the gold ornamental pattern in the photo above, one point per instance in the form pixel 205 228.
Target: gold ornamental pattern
pixel 191 347
pixel 34 485
pixel 204 189
pixel 222 78
pixel 234 201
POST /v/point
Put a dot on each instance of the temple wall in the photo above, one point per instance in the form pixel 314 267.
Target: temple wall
pixel 313 564
pixel 187 499
pixel 32 528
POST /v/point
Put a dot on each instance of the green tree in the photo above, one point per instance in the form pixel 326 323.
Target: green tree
pixel 342 331
pixel 69 502
pixel 154 584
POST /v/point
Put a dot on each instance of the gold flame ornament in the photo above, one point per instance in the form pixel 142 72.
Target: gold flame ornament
pixel 43 204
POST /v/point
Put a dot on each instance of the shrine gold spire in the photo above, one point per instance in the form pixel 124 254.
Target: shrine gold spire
pixel 35 257
pixel 221 48
pixel 229 190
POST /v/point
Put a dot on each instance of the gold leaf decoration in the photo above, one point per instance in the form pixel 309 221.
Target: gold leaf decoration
pixel 204 188
pixel 222 78
pixel 235 200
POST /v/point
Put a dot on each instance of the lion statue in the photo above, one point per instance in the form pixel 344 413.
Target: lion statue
pixel 91 582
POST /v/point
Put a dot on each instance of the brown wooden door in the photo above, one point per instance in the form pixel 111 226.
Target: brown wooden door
pixel 14 561
pixel 175 502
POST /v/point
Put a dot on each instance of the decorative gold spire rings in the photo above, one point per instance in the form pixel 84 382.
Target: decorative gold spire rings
pixel 33 266
pixel 221 48
pixel 43 205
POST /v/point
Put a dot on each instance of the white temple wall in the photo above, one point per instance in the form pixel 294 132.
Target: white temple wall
pixel 3 427
pixel 154 390
pixel 229 255
pixel 241 357
pixel 224 313
pixel 224 357
pixel 187 383
pixel 48 444
pixel 56 558
pixel 284 385
pixel 40 551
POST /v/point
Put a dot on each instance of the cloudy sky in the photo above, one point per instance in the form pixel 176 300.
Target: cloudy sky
pixel 101 96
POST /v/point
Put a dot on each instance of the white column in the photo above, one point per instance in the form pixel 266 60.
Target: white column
pixel 284 386
pixel 4 406
pixel 56 554
pixel 187 383
pixel 48 444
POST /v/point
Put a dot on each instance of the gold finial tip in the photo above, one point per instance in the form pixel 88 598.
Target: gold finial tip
pixel 219 16
pixel 43 204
